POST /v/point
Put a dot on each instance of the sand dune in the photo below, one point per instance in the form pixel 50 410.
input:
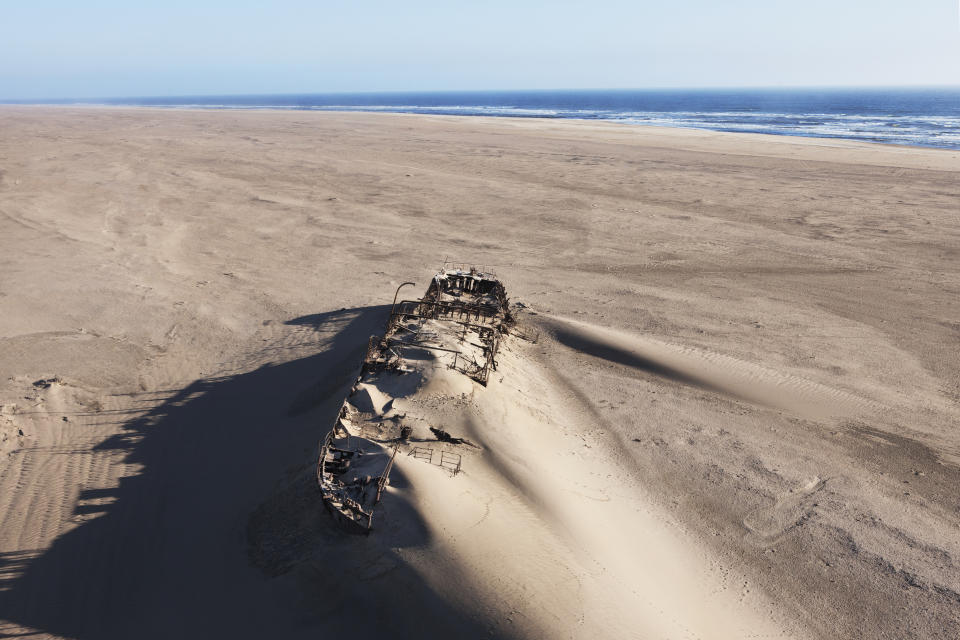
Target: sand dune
pixel 739 419
pixel 711 371
pixel 535 535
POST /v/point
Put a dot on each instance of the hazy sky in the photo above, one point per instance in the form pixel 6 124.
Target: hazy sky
pixel 98 48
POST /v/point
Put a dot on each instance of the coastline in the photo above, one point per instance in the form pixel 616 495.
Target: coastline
pixel 198 272
pixel 826 140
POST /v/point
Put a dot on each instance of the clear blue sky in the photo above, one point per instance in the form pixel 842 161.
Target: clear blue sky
pixel 101 48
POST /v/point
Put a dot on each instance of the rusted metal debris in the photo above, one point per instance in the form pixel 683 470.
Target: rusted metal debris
pixel 464 312
pixel 443 436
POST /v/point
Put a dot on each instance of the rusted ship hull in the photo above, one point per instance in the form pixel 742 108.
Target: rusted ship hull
pixel 458 325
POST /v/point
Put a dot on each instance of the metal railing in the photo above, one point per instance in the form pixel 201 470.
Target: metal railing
pixel 448 460
pixel 467 267
pixel 462 312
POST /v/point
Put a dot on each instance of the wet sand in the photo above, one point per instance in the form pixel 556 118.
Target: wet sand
pixel 740 416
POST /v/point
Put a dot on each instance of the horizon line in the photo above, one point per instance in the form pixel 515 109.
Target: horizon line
pixel 75 99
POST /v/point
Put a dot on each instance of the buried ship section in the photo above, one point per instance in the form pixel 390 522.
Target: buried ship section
pixel 442 343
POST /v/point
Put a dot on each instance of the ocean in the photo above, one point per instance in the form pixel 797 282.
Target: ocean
pixel 919 117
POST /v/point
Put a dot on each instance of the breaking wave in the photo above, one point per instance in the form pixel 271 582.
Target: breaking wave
pixel 919 117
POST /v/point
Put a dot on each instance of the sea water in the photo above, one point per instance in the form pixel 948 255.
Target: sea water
pixel 921 117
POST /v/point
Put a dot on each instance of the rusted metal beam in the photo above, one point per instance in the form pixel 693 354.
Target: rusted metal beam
pixel 385 476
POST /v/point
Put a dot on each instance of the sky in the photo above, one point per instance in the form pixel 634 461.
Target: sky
pixel 105 48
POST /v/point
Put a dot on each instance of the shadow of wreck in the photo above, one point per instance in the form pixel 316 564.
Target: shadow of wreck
pixel 168 555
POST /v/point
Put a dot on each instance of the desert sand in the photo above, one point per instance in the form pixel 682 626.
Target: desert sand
pixel 739 419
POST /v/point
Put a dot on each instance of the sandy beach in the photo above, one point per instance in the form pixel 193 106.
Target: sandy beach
pixel 740 419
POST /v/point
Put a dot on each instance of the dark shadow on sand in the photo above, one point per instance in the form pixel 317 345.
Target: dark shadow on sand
pixel 598 349
pixel 612 353
pixel 166 553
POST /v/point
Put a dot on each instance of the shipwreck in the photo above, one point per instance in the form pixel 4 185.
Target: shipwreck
pixel 455 329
